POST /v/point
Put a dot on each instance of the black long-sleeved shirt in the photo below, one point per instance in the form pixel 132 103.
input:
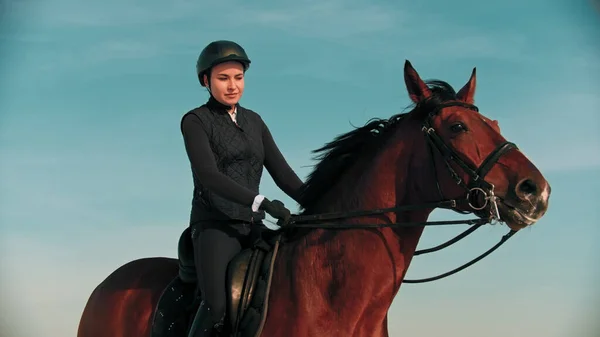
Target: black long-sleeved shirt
pixel 197 139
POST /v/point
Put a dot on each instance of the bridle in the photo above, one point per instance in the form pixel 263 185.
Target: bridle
pixel 477 186
pixel 477 183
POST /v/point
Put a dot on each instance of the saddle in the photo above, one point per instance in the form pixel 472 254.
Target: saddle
pixel 248 284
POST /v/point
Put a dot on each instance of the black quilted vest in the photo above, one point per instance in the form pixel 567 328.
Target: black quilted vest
pixel 239 153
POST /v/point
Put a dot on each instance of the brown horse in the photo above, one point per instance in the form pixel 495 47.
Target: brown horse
pixel 337 270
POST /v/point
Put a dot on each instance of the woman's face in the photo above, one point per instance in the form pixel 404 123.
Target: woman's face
pixel 227 82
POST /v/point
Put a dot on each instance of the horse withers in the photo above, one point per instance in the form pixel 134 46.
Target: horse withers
pixel 365 205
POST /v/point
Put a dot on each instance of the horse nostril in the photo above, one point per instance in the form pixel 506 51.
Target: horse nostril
pixel 527 187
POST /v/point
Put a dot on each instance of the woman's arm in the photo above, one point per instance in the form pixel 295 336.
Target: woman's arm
pixel 283 175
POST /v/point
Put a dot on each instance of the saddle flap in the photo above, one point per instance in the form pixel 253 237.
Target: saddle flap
pixel 241 276
pixel 246 274
pixel 254 267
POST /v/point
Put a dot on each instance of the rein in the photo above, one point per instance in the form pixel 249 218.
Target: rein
pixel 477 185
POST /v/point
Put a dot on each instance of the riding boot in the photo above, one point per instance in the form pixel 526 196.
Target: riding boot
pixel 203 324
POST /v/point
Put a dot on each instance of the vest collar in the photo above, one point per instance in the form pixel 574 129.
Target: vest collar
pixel 219 107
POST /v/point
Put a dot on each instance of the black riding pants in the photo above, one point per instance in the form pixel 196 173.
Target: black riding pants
pixel 214 246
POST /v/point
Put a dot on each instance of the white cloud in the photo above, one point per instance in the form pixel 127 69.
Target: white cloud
pixel 88 14
pixel 352 26
pixel 332 17
pixel 94 53
pixel 329 19
pixel 494 46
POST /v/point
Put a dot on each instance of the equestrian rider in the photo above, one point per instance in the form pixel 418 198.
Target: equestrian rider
pixel 227 146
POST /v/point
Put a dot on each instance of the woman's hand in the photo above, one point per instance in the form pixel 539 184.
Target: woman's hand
pixel 277 210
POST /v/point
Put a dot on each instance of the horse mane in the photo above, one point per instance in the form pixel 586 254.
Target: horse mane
pixel 362 144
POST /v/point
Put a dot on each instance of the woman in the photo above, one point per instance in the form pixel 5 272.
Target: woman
pixel 227 146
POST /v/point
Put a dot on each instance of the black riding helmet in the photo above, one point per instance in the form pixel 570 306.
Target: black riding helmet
pixel 220 52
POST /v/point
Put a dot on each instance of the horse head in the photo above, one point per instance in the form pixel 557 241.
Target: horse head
pixel 472 159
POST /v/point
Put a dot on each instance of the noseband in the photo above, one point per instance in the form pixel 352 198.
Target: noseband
pixel 477 186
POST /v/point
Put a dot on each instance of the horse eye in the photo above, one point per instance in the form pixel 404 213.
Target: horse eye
pixel 458 127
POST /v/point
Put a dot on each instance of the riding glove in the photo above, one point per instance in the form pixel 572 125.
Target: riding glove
pixel 277 210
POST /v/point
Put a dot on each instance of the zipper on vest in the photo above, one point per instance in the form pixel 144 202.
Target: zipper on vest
pixel 235 123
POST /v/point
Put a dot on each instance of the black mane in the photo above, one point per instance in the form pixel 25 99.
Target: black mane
pixel 363 143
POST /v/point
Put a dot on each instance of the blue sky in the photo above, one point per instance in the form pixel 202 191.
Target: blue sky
pixel 94 172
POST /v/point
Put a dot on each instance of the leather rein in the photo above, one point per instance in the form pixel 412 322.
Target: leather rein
pixel 477 186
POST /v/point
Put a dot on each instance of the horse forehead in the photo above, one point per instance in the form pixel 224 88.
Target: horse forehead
pixel 457 109
pixel 476 116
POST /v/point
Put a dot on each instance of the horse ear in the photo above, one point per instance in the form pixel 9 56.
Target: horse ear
pixel 467 93
pixel 417 89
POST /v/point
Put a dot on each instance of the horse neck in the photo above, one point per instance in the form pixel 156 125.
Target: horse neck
pixel 402 173
pixel 374 261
